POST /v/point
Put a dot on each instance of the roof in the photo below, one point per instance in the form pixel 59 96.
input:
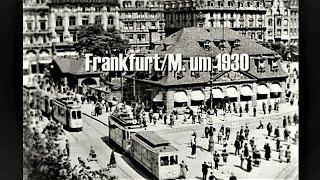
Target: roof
pixel 155 143
pixel 186 42
pixel 72 65
pixel 110 2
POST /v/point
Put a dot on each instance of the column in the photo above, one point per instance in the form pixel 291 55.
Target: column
pixel 283 94
pixel 104 20
pixel 91 18
pixel 169 100
pixel 36 21
pixel 66 26
pixel 254 91
pixel 79 17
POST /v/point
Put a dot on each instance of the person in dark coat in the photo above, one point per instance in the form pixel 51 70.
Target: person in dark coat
pixel 212 177
pixel 246 107
pixel 235 108
pixel 269 108
pixel 264 107
pixel 295 118
pixel 193 149
pixel 206 131
pixel 278 144
pixel 289 121
pixel 269 128
pixel 246 132
pixel 204 171
pixel 260 125
pixel 67 147
pixel 112 161
pixel 277 132
pixel 224 155
pixel 254 111
pixel 241 139
pixel 286 134
pixel 215 111
pixel 216 160
pixel 227 133
pixel 267 151
pixel 241 159
pixel 284 122
pixel 240 111
pixel 237 146
pixel 246 150
pixel 249 166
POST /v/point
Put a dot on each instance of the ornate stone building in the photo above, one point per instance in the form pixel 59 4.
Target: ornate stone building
pixel 282 21
pixel 36 36
pixel 244 16
pixel 67 15
pixel 141 22
pixel 263 82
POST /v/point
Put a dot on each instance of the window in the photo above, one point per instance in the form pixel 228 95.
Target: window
pixel 141 37
pixel 285 32
pixel 140 25
pixel 110 20
pixel 44 39
pixel 164 161
pixel 258 4
pixel 130 25
pixel 59 21
pixel 79 114
pixel 72 21
pixel 237 43
pixel 29 26
pixel 31 40
pixel 85 20
pixel 130 37
pixel 206 45
pixel 128 15
pixel 139 4
pixel 60 37
pixel 74 115
pixel 126 4
pixel 279 32
pixel 285 12
pixel 140 15
pixel 153 24
pixel 97 20
pixel 74 37
pixel 270 32
pixel 285 22
pixel 173 159
pixel 43 25
pixel 269 22
pixel 261 66
pixel 279 22
pixel 152 15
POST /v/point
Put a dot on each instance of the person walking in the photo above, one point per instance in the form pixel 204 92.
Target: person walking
pixel 286 134
pixel 237 146
pixel 246 150
pixel 240 111
pixel 224 155
pixel 183 170
pixel 289 120
pixel 267 151
pixel 241 159
pixel 206 131
pixel 112 162
pixel 249 162
pixel 241 139
pixel 67 148
pixel 215 110
pixel 241 130
pixel 284 122
pixel 246 132
pixel 246 107
pixel 216 160
pixel 254 111
pixel 212 177
pixel 288 154
pixel 278 144
pixel 193 148
pixel 281 154
pixel 269 128
pixel 295 118
pixel 264 107
pixel 204 171
pixel 227 133
pixel 251 142
pixel 269 108
pixel 219 137
pixel 277 132
pixel 260 125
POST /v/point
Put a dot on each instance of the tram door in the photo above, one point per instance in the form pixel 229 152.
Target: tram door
pixel 68 116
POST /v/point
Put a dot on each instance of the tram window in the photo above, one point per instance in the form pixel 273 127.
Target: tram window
pixel 68 114
pixel 79 114
pixel 164 161
pixel 173 159
pixel 74 116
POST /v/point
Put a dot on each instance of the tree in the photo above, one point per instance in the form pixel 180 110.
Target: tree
pixel 94 39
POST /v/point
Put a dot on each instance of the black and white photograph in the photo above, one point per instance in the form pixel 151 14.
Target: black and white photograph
pixel 160 89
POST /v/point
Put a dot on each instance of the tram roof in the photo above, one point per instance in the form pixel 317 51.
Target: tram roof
pixel 154 142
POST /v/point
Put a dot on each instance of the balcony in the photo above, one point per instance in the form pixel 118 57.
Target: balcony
pixel 59 28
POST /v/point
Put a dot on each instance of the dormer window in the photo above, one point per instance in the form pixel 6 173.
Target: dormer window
pixel 206 45
pixel 274 65
pixel 237 43
pixel 222 44
pixel 261 66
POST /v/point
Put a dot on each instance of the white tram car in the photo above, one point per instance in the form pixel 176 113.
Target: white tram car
pixel 152 152
pixel 67 112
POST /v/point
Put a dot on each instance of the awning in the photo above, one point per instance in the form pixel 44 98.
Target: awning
pixel 275 88
pixel 180 97
pixel 246 91
pixel 217 93
pixel 197 95
pixel 232 92
pixel 158 97
pixel 263 89
pixel 45 61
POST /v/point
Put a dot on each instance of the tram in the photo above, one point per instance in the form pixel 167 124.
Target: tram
pixel 67 112
pixel 148 149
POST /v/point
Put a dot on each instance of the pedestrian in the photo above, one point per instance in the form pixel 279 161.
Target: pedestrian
pixel 269 108
pixel 212 177
pixel 289 120
pixel 224 155
pixel 150 115
pixel 288 154
pixel 295 118
pixel 292 101
pixel 275 105
pixel 107 106
pixel 241 159
pixel 251 142
pixel 229 108
pixel 254 111
pixel 246 132
pixel 193 119
pixel 193 148
pixel 284 122
pixel 278 144
pixel 237 146
pixel 204 171
pixel 206 131
pixel 246 107
pixel 241 139
pixel 235 108
pixel 171 120
pixel 249 166
pixel 219 136
pixel 241 130
pixel 225 144
pixel 165 117
pixel 286 134
pixel 269 128
pixel 112 161
pixel 277 132
pixel 260 125
pixel 216 160
pixel 232 177
pixel 264 107
pixel 215 111
pixel 246 150
pixel 183 170
pixel 281 154
pixel 222 129
pixel 267 151
pixel 240 111
pixel 67 148
pixel 227 133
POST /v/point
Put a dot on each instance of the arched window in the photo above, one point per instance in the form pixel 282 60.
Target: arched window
pixel 110 20
pixel 72 21
pixel 59 21
pixel 97 20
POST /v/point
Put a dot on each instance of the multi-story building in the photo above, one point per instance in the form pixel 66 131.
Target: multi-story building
pixel 141 22
pixel 245 16
pixel 66 16
pixel 36 36
pixel 282 21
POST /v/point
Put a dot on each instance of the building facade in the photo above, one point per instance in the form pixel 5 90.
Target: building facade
pixel 36 36
pixel 141 22
pixel 282 21
pixel 263 82
pixel 245 16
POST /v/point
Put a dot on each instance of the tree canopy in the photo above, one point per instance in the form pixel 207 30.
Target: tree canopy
pixel 94 39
